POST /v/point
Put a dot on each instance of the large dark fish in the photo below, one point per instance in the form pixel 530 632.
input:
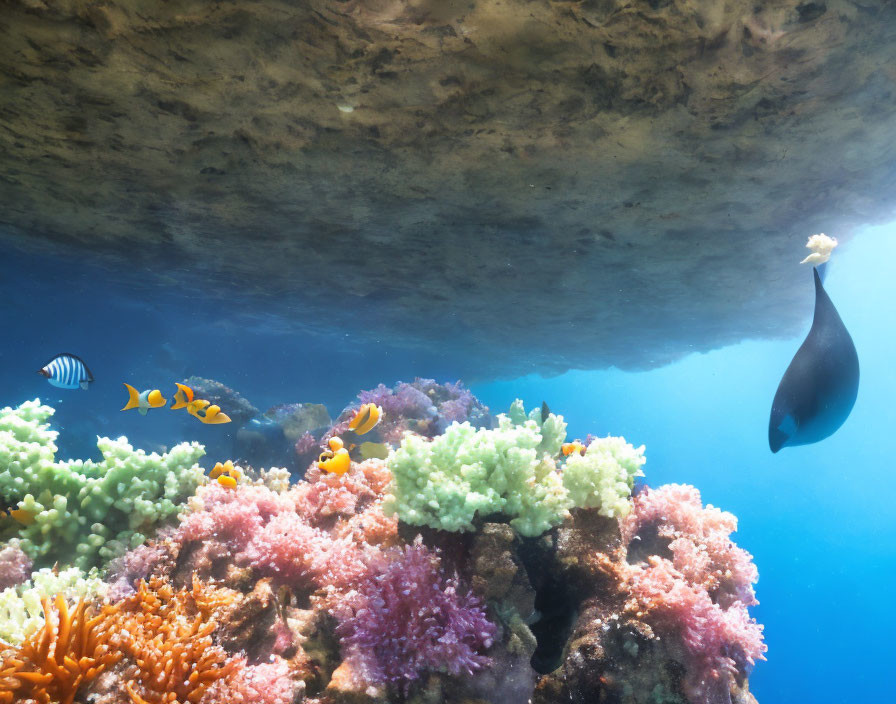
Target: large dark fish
pixel 67 371
pixel 820 386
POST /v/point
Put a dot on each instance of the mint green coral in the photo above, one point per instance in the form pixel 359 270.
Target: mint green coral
pixel 604 476
pixel 21 613
pixel 512 470
pixel 90 510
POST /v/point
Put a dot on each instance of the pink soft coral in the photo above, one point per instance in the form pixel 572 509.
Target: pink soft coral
pixel 699 587
pixel 267 683
pixel 321 534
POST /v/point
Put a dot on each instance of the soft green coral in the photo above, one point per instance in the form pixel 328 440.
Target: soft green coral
pixel 446 482
pixel 604 476
pixel 552 428
pixel 21 613
pixel 90 510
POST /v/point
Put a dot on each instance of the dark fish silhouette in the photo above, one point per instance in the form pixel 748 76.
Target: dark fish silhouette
pixel 819 388
pixel 545 411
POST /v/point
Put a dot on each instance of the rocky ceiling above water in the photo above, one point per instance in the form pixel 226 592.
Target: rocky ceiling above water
pixel 545 184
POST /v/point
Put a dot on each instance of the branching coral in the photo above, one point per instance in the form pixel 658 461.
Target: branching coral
pixel 409 619
pixel 70 650
pixel 92 510
pixel 702 593
pixel 167 635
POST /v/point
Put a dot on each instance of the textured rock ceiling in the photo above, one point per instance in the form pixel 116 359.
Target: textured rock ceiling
pixel 534 184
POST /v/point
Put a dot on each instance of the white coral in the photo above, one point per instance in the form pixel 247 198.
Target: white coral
pixel 821 246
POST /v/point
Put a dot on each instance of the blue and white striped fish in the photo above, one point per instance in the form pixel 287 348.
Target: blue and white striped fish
pixel 67 371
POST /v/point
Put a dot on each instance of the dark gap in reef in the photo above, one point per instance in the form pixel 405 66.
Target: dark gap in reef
pixel 556 602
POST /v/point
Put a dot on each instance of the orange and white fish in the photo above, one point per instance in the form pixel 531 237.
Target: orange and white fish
pixel 144 400
pixel 366 418
pixel 568 448
pixel 183 397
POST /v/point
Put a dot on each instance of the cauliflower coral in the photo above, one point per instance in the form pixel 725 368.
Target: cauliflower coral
pixel 466 472
pixel 85 510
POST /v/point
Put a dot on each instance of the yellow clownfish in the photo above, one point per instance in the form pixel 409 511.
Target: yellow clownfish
pixel 144 400
pixel 210 414
pixel 336 460
pixel 568 448
pixel 183 397
pixel 366 418
pixel 226 474
pixel 20 515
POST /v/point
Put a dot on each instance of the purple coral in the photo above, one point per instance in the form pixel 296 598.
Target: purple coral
pixel 15 565
pixel 125 571
pixel 409 619
pixel 702 592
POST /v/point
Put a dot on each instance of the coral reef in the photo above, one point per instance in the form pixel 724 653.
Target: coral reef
pixel 486 565
pixel 83 512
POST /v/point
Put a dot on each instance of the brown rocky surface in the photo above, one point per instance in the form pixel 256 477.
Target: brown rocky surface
pixel 561 183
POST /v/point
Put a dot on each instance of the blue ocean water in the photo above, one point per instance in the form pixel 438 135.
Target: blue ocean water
pixel 820 519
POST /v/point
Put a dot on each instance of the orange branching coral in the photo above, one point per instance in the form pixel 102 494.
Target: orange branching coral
pixel 169 639
pixel 68 652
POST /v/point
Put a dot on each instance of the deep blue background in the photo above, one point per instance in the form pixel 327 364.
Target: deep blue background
pixel 820 520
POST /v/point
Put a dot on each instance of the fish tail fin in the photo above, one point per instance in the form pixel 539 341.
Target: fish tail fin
pixel 133 398
pixel 183 397
pixel 85 385
pixel 155 399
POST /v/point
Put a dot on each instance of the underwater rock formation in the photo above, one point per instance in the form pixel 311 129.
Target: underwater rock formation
pixel 476 165
pixel 521 569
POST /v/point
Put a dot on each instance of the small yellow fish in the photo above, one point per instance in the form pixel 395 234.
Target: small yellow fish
pixel 227 481
pixel 26 518
pixel 210 414
pixel 568 448
pixel 183 397
pixel 193 407
pixel 144 400
pixel 335 462
pixel 220 469
pixel 366 418
pixel 226 474
pixel 213 415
